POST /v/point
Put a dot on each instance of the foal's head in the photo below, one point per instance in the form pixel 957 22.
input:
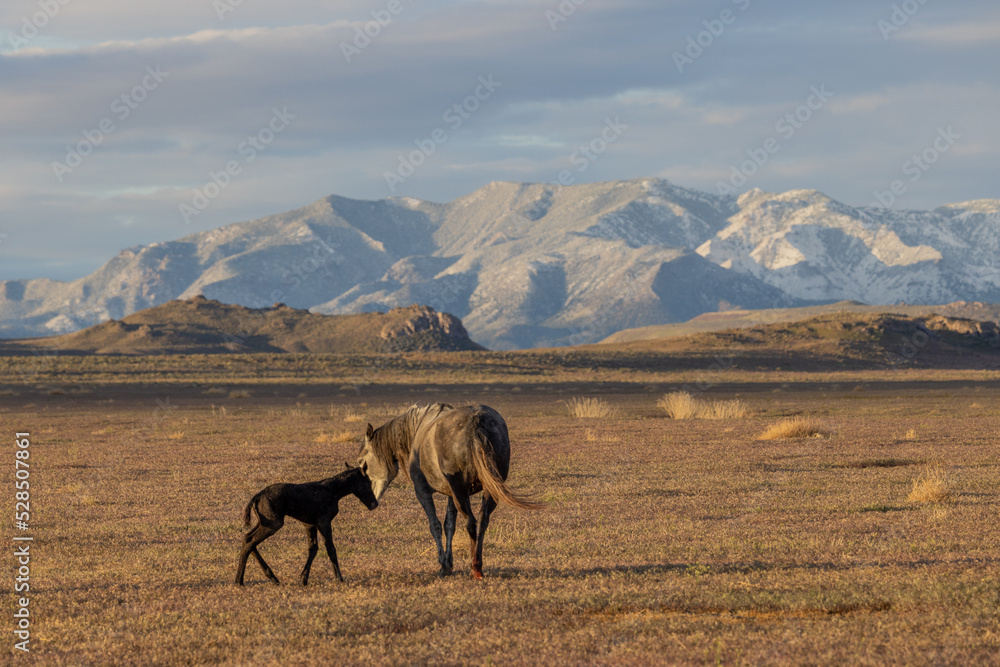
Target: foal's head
pixel 361 486
pixel 377 460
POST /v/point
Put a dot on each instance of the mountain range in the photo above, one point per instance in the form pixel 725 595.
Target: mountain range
pixel 534 264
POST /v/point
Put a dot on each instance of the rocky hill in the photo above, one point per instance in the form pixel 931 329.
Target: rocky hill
pixel 203 326
pixel 529 265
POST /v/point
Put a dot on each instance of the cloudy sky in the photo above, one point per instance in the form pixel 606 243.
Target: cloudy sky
pixel 128 122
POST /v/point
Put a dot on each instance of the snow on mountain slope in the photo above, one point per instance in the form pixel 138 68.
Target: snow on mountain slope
pixel 528 264
pixel 812 247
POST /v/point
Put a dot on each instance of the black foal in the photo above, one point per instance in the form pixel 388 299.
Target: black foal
pixel 313 503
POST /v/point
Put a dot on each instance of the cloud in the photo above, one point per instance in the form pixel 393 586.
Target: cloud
pixel 956 34
pixel 353 120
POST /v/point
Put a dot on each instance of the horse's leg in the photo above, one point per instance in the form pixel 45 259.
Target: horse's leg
pixel 313 548
pixel 425 496
pixel 267 570
pixel 324 528
pixel 461 495
pixel 449 532
pixel 489 504
pixel 250 542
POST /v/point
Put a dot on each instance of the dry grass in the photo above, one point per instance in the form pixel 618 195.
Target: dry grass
pixel 215 391
pixel 799 427
pixel 239 393
pixel 674 542
pixel 931 487
pixel 591 408
pixel 910 435
pixel 352 416
pixel 679 405
pixel 682 405
pixel 333 438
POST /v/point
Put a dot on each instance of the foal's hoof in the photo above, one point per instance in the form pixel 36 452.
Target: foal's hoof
pixel 477 574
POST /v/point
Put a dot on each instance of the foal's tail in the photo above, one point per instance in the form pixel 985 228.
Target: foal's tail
pixel 251 507
pixel 489 476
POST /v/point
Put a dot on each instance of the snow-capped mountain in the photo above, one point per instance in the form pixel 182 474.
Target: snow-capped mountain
pixel 537 264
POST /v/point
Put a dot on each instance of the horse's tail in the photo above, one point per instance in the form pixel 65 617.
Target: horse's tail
pixel 251 506
pixel 489 476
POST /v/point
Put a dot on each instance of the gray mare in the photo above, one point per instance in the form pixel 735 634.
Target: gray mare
pixel 457 452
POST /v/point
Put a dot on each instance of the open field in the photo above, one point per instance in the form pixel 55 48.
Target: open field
pixel 664 541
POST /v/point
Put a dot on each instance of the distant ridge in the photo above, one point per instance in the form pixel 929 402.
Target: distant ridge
pixel 834 340
pixel 742 319
pixel 203 326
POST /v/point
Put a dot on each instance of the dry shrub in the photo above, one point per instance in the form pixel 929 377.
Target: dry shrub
pixel 910 435
pixel 329 439
pixel 351 416
pixel 800 427
pixel 591 408
pixel 734 409
pixel 682 405
pixel 239 393
pixel 679 405
pixel 930 487
pixel 214 391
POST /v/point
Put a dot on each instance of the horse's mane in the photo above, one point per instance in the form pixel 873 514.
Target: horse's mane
pixel 392 440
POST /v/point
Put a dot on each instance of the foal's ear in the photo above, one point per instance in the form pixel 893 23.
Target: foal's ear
pixel 348 465
pixel 370 432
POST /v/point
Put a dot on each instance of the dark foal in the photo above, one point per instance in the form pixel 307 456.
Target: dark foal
pixel 313 503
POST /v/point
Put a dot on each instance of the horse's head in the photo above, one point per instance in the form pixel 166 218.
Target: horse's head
pixel 377 461
pixel 363 488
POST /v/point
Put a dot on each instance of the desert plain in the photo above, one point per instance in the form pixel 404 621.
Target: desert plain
pixel 663 541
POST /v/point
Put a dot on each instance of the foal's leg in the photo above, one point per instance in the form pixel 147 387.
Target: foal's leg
pixel 324 528
pixel 489 504
pixel 461 495
pixel 449 531
pixel 425 495
pixel 250 542
pixel 313 548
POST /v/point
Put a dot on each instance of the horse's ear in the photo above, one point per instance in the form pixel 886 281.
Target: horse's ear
pixel 348 465
pixel 370 432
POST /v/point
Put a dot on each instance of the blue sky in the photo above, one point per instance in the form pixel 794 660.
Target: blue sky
pixel 114 114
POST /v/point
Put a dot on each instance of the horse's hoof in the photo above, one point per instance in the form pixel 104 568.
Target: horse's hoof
pixel 477 574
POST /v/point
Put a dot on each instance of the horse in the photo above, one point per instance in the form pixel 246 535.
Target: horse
pixel 457 452
pixel 312 503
